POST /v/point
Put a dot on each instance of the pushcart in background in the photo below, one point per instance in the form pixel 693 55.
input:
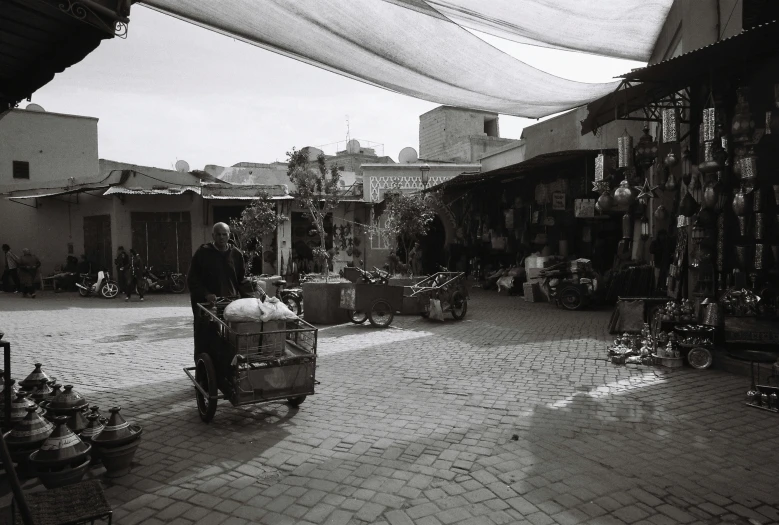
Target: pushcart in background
pixel 446 287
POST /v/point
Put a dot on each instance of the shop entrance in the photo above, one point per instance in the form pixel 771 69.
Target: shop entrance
pixel 432 245
pixel 97 241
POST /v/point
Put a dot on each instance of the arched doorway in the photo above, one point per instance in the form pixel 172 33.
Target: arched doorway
pixel 432 245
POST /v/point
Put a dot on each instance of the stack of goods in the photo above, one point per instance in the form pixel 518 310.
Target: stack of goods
pixel 741 303
pixel 678 312
pixel 55 437
pixel 632 349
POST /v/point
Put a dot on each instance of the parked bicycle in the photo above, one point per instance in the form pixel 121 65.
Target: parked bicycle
pixel 156 281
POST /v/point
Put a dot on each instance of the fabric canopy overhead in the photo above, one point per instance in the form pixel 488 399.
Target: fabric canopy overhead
pixel 614 28
pixel 405 48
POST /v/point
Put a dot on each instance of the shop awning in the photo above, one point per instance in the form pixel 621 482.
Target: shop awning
pixel 174 190
pixel 515 171
pixel 40 38
pixel 648 85
pixel 37 194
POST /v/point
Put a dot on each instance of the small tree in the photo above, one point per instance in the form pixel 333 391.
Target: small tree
pixel 257 220
pixel 408 218
pixel 317 192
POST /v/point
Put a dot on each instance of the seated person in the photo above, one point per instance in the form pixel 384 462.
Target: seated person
pixel 66 278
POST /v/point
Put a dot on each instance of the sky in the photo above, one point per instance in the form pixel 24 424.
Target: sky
pixel 173 91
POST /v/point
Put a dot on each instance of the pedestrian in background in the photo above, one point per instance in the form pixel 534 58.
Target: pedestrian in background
pixel 134 276
pixel 10 271
pixel 122 263
pixel 28 272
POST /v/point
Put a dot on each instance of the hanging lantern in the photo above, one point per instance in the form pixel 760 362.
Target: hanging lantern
pixel 686 166
pixel 742 125
pixel 599 186
pixel 646 150
pixel 709 164
pixel 709 124
pixel 627 227
pixel 749 166
pixel 625 150
pixel 623 195
pixel 711 195
pixel 670 125
pixel 688 207
pixel 698 233
pixel 605 201
pixel 670 159
pixel 670 184
pixel 644 228
pixel 661 213
pixel 599 166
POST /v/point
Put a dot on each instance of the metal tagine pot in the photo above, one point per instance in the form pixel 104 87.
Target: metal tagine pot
pixel 62 459
pixel 27 436
pixel 34 379
pixel 116 444
pixel 19 407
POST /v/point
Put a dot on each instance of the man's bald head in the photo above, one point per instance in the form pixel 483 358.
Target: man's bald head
pixel 221 235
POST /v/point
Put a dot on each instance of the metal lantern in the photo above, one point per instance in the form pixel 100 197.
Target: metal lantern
pixel 749 166
pixel 625 150
pixel 742 125
pixel 646 150
pixel 698 233
pixel 425 171
pixel 627 227
pixel 670 125
pixel 709 124
pixel 670 159
pixel 623 195
pixel 644 228
pixel 710 163
pixel 599 166
pixel 605 201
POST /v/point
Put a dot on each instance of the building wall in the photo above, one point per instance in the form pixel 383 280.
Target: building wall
pixel 377 179
pixel 444 127
pixel 56 146
pixel 692 24
pixel 474 148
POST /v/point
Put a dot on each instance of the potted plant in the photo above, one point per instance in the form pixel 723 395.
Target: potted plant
pixel 317 192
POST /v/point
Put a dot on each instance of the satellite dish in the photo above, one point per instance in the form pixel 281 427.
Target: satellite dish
pixel 182 165
pixel 353 146
pixel 34 107
pixel 313 153
pixel 408 156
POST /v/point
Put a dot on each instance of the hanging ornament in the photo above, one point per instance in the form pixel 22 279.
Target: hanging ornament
pixel 646 192
pixel 670 159
pixel 709 124
pixel 686 167
pixel 661 213
pixel 644 228
pixel 670 125
pixel 623 195
pixel 670 184
pixel 600 167
pixel 605 201
pixel 646 150
pixel 625 150
pixel 709 164
pixel 599 186
pixel 711 195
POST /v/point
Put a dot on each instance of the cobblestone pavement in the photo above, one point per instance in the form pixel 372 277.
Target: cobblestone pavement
pixel 510 416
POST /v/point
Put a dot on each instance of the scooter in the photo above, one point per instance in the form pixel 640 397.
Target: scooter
pixel 104 285
pixel 292 297
pixel 163 281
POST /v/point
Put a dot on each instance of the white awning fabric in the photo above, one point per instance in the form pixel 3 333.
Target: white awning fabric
pixel 173 190
pixel 408 47
pixel 614 28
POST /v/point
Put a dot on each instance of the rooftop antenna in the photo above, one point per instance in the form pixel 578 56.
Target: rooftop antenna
pixel 348 134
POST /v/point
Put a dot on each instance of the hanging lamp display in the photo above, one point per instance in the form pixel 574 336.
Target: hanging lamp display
pixel 627 227
pixel 623 195
pixel 646 150
pixel 670 125
pixel 625 150
pixel 742 125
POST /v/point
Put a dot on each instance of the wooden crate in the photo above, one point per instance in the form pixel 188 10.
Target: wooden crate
pixel 532 292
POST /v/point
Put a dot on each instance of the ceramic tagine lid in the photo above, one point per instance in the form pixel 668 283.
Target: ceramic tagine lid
pixel 34 379
pixel 19 407
pixel 14 390
pixel 117 431
pixel 66 401
pixel 41 392
pixel 61 447
pixel 31 431
pixel 77 422
pixel 93 428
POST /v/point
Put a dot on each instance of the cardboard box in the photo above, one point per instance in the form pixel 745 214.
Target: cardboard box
pixel 532 292
pixel 533 273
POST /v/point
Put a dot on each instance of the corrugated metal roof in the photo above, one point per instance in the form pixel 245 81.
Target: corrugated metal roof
pixel 176 190
pixel 243 191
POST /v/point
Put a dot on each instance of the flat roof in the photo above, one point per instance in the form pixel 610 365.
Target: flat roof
pixel 54 113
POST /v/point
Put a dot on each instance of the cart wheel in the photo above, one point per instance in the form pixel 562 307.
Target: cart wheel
pixel 571 298
pixel 699 357
pixel 357 316
pixel 459 305
pixel 296 401
pixel 381 314
pixel 109 290
pixel 205 375
pixel 294 305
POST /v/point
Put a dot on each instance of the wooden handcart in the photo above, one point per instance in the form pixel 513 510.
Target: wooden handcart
pixel 252 362
pixel 448 288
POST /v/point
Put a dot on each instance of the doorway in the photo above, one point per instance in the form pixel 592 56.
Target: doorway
pixel 433 247
pixel 163 239
pixel 97 241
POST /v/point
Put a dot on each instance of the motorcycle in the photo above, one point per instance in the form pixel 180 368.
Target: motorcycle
pixel 569 288
pixel 292 297
pixel 103 285
pixel 163 281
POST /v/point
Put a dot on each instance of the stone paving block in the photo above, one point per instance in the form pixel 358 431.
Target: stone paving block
pixel 453 515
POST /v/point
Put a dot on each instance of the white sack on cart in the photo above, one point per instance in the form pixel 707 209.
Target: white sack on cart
pixel 274 310
pixel 243 311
